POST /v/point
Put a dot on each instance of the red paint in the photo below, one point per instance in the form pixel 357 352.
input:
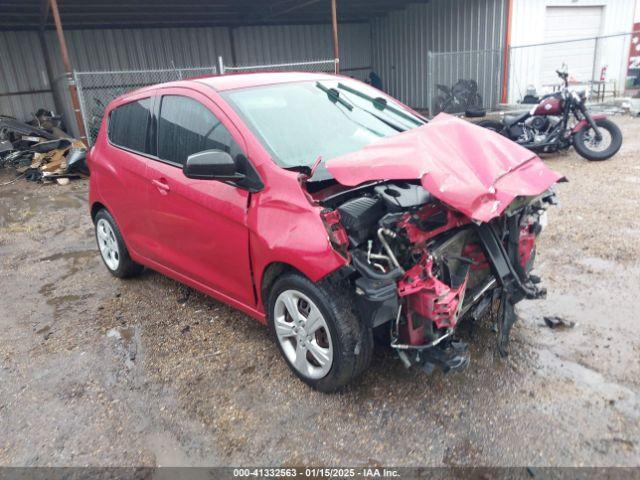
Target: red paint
pixel 551 105
pixel 220 239
pixel 429 298
pixel 474 252
pixel 337 234
pixel 418 236
pixel 212 236
pixel 583 123
pixel 475 171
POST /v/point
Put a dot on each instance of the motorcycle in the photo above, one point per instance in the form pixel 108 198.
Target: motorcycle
pixel 561 120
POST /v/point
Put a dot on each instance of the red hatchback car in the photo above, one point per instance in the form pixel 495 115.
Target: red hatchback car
pixel 324 208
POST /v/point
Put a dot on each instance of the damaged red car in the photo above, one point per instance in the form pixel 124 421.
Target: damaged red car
pixel 324 208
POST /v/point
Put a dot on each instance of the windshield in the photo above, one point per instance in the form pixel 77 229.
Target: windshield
pixel 299 122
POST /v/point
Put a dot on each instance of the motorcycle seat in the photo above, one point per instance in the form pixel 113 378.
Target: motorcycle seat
pixel 513 119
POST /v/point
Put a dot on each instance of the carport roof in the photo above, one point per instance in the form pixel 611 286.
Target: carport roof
pixel 80 14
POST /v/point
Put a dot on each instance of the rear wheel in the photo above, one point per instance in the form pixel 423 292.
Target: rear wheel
pixel 589 147
pixel 112 247
pixel 492 125
pixel 318 334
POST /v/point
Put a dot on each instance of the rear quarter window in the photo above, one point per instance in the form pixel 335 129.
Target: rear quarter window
pixel 128 125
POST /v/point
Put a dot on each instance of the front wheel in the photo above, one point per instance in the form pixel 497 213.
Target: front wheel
pixel 592 149
pixel 318 334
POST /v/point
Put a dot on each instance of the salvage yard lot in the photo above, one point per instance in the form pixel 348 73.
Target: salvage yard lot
pixel 99 371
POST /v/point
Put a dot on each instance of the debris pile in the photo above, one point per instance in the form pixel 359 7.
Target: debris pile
pixel 40 150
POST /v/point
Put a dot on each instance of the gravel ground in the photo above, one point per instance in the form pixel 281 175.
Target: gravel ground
pixel 103 372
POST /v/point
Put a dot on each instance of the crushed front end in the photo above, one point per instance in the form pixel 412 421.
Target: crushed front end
pixel 420 267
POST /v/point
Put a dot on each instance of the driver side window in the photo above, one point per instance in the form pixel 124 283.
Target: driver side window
pixel 186 127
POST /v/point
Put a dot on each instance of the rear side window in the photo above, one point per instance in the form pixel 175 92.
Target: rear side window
pixel 128 125
pixel 187 127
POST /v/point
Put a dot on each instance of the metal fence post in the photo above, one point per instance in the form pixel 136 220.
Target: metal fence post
pixel 430 82
pixel 594 71
pixel 220 65
pixel 506 74
pixel 83 110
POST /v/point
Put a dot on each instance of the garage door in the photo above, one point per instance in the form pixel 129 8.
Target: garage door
pixel 570 23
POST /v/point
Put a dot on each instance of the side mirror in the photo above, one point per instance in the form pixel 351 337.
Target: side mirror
pixel 211 165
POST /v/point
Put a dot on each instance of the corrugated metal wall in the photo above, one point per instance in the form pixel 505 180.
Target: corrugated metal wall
pixel 23 64
pixel 136 49
pixel 396 46
pixel 278 44
pixel 22 69
pixel 401 40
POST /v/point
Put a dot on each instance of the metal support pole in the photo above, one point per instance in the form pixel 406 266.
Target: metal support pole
pixel 75 100
pixel 220 65
pixel 334 25
pixel 507 50
pixel 430 85
pixel 594 69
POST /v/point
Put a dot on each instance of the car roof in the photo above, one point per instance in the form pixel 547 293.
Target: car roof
pixel 244 80
pixel 240 80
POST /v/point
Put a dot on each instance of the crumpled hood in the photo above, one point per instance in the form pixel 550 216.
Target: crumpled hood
pixel 474 170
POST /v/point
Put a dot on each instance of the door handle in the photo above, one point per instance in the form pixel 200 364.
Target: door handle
pixel 162 185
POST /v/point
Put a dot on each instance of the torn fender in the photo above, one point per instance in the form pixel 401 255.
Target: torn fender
pixel 469 168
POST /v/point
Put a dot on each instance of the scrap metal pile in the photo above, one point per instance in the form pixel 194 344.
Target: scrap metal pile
pixel 41 150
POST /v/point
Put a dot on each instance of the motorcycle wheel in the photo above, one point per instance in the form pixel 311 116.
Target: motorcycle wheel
pixel 587 146
pixel 492 125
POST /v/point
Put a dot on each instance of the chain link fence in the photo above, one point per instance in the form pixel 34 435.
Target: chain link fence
pixel 595 64
pixel 457 81
pixel 97 89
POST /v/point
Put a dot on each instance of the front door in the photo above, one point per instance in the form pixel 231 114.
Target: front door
pixel 199 226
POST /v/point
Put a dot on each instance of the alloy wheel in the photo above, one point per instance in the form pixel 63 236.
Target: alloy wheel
pixel 596 145
pixel 108 244
pixel 303 334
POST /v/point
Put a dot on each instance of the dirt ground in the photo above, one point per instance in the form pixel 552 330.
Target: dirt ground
pixel 103 372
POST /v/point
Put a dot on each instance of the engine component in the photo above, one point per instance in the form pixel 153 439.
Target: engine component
pixel 526 246
pixel 429 301
pixel 538 123
pixel 336 231
pixel 401 196
pixel 429 222
pixel 359 215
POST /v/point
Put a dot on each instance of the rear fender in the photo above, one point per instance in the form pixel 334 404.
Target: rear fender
pixel 583 123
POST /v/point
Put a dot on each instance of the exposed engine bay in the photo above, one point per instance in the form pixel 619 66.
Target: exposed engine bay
pixel 419 267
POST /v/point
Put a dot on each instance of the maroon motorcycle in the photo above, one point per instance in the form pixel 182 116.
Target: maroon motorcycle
pixel 559 121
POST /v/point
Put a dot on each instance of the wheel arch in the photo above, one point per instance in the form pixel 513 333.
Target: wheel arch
pixel 270 274
pixel 95 208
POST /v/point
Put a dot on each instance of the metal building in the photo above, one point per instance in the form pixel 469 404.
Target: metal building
pixel 392 37
pixel 590 36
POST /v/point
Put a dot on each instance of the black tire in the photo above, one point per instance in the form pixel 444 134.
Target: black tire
pixel 492 125
pixel 352 340
pixel 126 268
pixel 579 141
